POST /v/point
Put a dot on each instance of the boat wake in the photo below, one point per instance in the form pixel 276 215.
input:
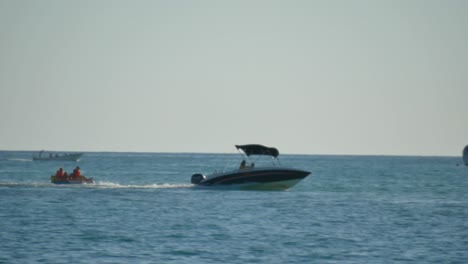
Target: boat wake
pixel 98 184
pixel 24 184
pixel 18 159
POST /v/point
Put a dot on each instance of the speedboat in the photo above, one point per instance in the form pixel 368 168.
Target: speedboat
pixel 58 157
pixel 249 177
pixel 70 180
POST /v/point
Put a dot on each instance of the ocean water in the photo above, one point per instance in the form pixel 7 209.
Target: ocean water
pixel 142 209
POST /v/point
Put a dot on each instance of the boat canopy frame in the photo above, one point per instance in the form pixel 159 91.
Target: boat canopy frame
pixel 258 150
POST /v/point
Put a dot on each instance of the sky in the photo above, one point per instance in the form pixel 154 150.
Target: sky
pixel 308 77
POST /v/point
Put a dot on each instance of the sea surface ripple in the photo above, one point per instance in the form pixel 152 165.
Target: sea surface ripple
pixel 143 209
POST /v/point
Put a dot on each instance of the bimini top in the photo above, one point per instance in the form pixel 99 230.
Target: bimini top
pixel 256 149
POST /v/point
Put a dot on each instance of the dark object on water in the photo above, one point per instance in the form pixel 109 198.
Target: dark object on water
pixel 465 155
pixel 197 178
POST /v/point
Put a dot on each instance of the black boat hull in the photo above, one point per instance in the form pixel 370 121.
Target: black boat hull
pixel 262 179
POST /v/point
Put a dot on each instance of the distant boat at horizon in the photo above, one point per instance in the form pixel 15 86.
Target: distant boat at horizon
pixel 465 155
pixel 57 157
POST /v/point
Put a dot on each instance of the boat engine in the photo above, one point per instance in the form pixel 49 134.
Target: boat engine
pixel 197 178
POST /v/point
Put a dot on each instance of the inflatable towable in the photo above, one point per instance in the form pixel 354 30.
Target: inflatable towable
pixel 70 180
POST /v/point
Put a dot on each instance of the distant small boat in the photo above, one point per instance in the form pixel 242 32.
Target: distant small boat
pixel 465 155
pixel 57 157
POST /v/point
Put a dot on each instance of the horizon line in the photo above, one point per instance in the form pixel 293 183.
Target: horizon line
pixel 196 152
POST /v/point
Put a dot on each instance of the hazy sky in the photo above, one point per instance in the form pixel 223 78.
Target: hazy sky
pixel 315 77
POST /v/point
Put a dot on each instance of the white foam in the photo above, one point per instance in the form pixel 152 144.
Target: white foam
pixel 24 184
pixel 101 184
pixel 23 160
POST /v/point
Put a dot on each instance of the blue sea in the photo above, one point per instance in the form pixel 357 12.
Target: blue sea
pixel 143 209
